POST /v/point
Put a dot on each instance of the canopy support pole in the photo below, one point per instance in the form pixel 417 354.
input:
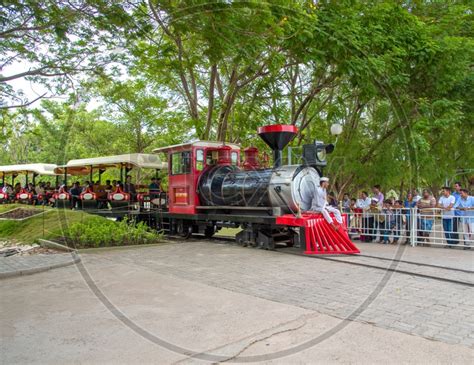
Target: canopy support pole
pixel 91 175
pixel 101 171
pixel 26 180
pixel 121 173
pixel 65 176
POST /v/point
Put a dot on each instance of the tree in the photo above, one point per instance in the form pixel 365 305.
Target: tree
pixel 396 75
pixel 53 42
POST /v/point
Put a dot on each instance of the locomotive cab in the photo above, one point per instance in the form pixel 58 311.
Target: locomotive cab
pixel 186 163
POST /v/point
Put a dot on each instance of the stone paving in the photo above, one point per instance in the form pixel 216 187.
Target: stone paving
pixel 24 265
pixel 415 305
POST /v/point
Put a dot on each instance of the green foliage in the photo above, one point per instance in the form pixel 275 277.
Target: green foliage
pixel 103 233
pixel 51 224
pixel 397 75
pixel 56 40
pixel 7 228
pixel 80 228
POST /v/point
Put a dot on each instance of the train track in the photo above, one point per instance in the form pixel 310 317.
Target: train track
pixel 419 269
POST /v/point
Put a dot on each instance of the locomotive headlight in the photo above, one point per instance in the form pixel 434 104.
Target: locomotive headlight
pixel 315 154
pixel 321 154
pixel 322 150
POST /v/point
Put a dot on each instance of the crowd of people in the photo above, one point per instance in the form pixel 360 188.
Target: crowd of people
pixel 376 218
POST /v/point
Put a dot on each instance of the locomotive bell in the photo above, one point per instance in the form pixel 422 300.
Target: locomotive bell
pixel 277 137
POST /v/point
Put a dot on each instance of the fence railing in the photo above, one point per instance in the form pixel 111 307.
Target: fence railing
pixel 412 226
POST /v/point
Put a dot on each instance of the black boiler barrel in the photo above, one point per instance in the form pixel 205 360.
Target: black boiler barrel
pixel 228 185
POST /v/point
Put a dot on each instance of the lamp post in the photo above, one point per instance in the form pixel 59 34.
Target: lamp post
pixel 336 129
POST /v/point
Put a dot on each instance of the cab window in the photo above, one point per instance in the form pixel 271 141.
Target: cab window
pixel 233 157
pixel 199 160
pixel 181 163
pixel 211 158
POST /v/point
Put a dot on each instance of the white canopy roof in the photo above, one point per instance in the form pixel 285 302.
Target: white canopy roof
pixel 140 160
pixel 37 168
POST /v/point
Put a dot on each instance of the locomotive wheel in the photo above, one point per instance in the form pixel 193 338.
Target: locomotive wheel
pixel 185 230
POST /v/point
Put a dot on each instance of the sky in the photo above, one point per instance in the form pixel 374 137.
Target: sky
pixel 33 90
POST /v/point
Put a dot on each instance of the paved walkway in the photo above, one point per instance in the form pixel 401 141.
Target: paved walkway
pixel 118 306
pixel 31 264
pixel 415 305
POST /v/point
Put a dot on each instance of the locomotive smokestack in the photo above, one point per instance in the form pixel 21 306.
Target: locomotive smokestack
pixel 277 137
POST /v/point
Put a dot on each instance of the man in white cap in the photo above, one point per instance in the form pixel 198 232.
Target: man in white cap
pixel 319 204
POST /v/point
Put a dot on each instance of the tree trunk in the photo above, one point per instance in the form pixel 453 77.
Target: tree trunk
pixel 227 103
pixel 210 105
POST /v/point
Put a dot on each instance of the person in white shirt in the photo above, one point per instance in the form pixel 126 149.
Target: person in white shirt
pixel 364 203
pixel 319 204
pixel 7 189
pixel 465 206
pixel 446 204
pixel 416 196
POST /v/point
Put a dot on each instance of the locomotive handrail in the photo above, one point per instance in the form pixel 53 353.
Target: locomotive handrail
pixel 232 207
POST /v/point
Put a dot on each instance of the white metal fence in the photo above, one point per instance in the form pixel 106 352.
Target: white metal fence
pixel 412 226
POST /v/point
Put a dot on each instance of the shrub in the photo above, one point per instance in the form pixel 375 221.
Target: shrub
pixel 99 232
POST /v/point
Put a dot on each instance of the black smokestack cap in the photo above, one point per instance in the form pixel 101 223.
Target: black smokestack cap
pixel 277 136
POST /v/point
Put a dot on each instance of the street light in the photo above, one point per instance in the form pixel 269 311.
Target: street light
pixel 336 129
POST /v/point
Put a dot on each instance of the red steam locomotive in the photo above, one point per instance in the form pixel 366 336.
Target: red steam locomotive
pixel 210 189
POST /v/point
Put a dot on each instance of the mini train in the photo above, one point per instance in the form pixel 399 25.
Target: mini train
pixel 211 187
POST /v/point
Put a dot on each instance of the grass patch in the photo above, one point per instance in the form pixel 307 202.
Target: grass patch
pixel 228 232
pixel 105 233
pixel 85 230
pixel 49 225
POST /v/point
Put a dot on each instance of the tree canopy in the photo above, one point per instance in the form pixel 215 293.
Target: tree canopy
pixel 136 74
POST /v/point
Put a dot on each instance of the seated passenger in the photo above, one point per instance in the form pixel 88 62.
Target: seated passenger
pixel 8 189
pixel 75 194
pixel 319 204
pixel 17 188
pixel 129 187
pixel 86 186
pixel 63 187
pixel 31 189
pixel 155 186
pixel 40 193
pixel 108 186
